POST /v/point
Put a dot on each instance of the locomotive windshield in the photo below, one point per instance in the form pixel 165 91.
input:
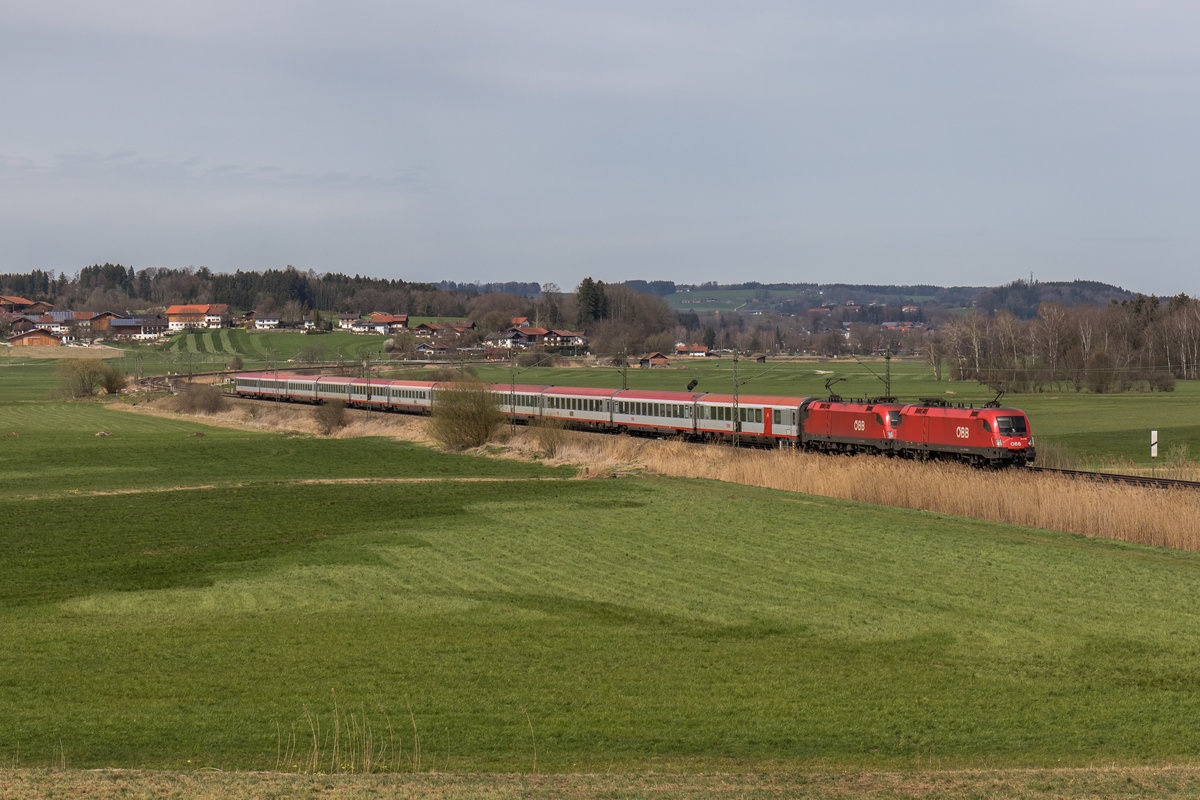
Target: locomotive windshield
pixel 894 417
pixel 1011 426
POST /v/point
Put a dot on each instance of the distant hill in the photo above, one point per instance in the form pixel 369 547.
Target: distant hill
pixel 1021 298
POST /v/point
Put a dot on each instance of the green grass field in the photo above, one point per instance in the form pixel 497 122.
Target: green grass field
pixel 186 602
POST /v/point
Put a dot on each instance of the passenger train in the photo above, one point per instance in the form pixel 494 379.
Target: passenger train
pixel 984 436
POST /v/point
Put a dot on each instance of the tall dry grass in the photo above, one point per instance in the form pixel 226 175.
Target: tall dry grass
pixel 350 740
pixel 1167 518
pixel 1146 516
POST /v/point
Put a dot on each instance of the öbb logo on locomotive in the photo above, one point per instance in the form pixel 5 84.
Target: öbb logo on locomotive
pixel 909 430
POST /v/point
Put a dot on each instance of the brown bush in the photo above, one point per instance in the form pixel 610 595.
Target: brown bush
pixel 550 435
pixel 330 416
pixel 465 415
pixel 199 398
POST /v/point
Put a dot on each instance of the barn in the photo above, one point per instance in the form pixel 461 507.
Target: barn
pixel 36 337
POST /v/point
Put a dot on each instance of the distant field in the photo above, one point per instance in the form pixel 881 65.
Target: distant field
pixel 193 602
pixel 709 300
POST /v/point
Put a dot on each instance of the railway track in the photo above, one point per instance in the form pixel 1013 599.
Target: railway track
pixel 1128 480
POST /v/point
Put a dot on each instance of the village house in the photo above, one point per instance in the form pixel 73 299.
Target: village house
pixel 19 305
pixel 691 350
pixel 13 304
pixel 101 322
pixel 388 323
pixel 138 328
pixel 431 349
pixel 526 337
pixel 208 315
pixel 428 329
pixel 565 338
pixel 260 320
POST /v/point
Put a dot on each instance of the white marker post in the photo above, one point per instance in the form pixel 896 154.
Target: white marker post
pixel 1154 452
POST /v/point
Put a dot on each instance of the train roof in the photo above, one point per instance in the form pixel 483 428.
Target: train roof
pixel 660 395
pixel 581 391
pixel 271 374
pixel 397 382
pixel 524 388
pixel 856 405
pixel 961 411
pixel 754 399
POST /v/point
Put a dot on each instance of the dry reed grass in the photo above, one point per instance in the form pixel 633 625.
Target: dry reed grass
pixel 1160 517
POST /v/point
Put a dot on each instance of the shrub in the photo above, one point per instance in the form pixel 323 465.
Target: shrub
pixel 236 362
pixel 1162 382
pixel 86 377
pixel 465 415
pixel 550 435
pixel 200 398
pixel 1101 373
pixel 330 416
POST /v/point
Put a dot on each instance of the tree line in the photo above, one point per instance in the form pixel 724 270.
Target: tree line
pixel 1142 343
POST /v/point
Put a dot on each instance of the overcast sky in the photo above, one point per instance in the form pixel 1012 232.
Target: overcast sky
pixel 954 143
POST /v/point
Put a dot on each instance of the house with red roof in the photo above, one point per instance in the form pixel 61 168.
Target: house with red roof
pixel 202 315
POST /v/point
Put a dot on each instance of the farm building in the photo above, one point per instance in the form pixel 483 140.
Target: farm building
pixel 36 337
pixel 651 360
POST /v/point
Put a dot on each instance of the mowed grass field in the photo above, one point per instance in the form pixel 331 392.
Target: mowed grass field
pixel 264 601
